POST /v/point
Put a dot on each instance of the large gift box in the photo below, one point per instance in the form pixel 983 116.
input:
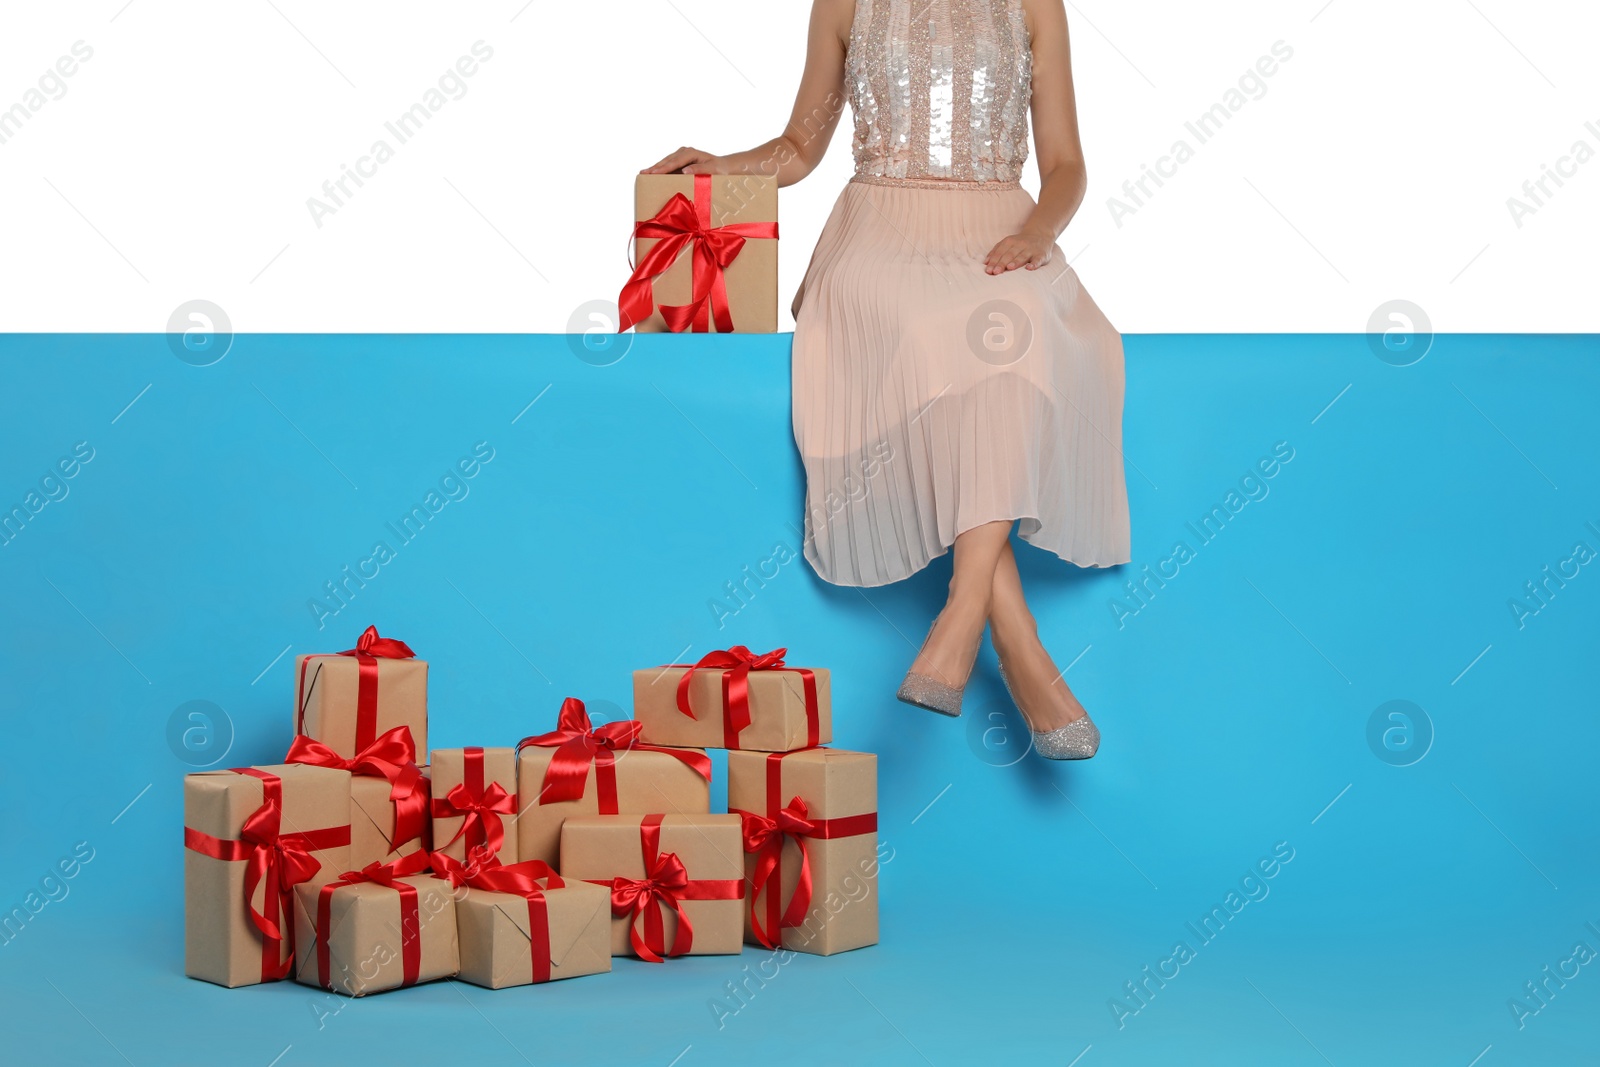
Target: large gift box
pixel 347 699
pixel 811 831
pixel 580 769
pixel 735 699
pixel 522 924
pixel 677 881
pixel 389 815
pixel 706 248
pixel 249 835
pixel 383 927
pixel 474 801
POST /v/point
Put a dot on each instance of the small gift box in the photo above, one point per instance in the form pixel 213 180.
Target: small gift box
pixel 580 769
pixel 677 881
pixel 383 927
pixel 734 698
pixel 811 834
pixel 474 799
pixel 249 835
pixel 347 699
pixel 389 815
pixel 523 924
pixel 707 255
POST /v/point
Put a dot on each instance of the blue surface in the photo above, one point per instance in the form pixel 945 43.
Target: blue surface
pixel 1378 566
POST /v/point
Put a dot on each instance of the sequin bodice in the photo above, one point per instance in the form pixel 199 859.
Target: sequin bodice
pixel 940 90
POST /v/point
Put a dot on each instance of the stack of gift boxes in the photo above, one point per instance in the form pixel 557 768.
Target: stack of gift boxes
pixel 351 867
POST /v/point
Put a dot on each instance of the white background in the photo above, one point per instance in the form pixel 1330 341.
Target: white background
pixel 178 163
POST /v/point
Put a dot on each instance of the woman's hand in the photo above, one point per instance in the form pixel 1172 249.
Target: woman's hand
pixel 1029 250
pixel 688 161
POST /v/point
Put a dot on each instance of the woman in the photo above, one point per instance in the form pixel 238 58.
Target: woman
pixel 951 377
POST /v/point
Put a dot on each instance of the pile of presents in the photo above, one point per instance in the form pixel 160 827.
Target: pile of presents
pixel 352 867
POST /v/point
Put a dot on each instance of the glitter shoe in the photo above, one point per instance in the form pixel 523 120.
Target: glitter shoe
pixel 1078 739
pixel 930 694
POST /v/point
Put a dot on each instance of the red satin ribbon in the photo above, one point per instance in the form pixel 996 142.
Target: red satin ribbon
pixel 527 880
pixel 579 745
pixel 736 663
pixel 764 836
pixel 666 883
pixel 679 224
pixel 392 757
pixel 481 809
pixel 369 648
pixel 384 874
pixel 276 860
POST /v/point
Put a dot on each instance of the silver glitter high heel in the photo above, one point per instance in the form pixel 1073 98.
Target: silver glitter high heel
pixel 1078 739
pixel 930 694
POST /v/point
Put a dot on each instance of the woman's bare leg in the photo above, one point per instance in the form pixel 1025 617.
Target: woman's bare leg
pixel 1041 693
pixel 952 645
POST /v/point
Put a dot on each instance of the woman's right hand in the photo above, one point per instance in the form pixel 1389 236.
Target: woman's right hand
pixel 685 161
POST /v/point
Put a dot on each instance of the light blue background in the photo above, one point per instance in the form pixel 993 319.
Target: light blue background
pixel 1020 898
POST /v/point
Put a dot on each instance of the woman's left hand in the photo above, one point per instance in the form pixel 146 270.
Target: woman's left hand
pixel 1028 250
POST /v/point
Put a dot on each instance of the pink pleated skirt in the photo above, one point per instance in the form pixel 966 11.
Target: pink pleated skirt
pixel 931 397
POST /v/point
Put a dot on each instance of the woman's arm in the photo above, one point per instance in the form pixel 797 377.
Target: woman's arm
pixel 817 107
pixel 1063 178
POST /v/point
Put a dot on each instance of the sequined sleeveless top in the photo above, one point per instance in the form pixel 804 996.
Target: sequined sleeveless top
pixel 940 91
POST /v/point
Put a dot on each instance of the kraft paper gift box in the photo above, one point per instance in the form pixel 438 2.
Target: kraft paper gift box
pixel 524 924
pixel 578 769
pixel 735 699
pixel 682 877
pixel 726 222
pixel 389 798
pixel 383 927
pixel 289 822
pixel 347 700
pixel 818 808
pixel 474 801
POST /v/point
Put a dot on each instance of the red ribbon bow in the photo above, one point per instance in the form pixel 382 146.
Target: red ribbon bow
pixel 369 649
pixel 579 745
pixel 665 880
pixel 736 663
pixel 388 875
pixel 527 880
pixel 392 757
pixel 274 860
pixel 764 838
pixel 480 807
pixel 677 225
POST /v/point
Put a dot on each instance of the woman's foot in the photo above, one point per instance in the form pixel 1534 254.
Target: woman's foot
pixel 1060 726
pixel 939 673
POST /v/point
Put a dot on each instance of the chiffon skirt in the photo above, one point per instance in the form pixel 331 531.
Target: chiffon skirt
pixel 930 397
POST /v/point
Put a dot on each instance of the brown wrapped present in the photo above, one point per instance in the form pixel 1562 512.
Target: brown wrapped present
pixel 578 769
pixel 389 815
pixel 734 698
pixel 383 927
pixel 812 811
pixel 347 699
pixel 707 255
pixel 474 801
pixel 523 924
pixel 250 833
pixel 677 881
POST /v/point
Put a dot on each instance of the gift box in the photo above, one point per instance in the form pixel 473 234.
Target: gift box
pixel 523 924
pixel 250 834
pixel 677 881
pixel 474 800
pixel 389 813
pixel 580 769
pixel 734 699
pixel 811 838
pixel 347 699
pixel 385 926
pixel 706 248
